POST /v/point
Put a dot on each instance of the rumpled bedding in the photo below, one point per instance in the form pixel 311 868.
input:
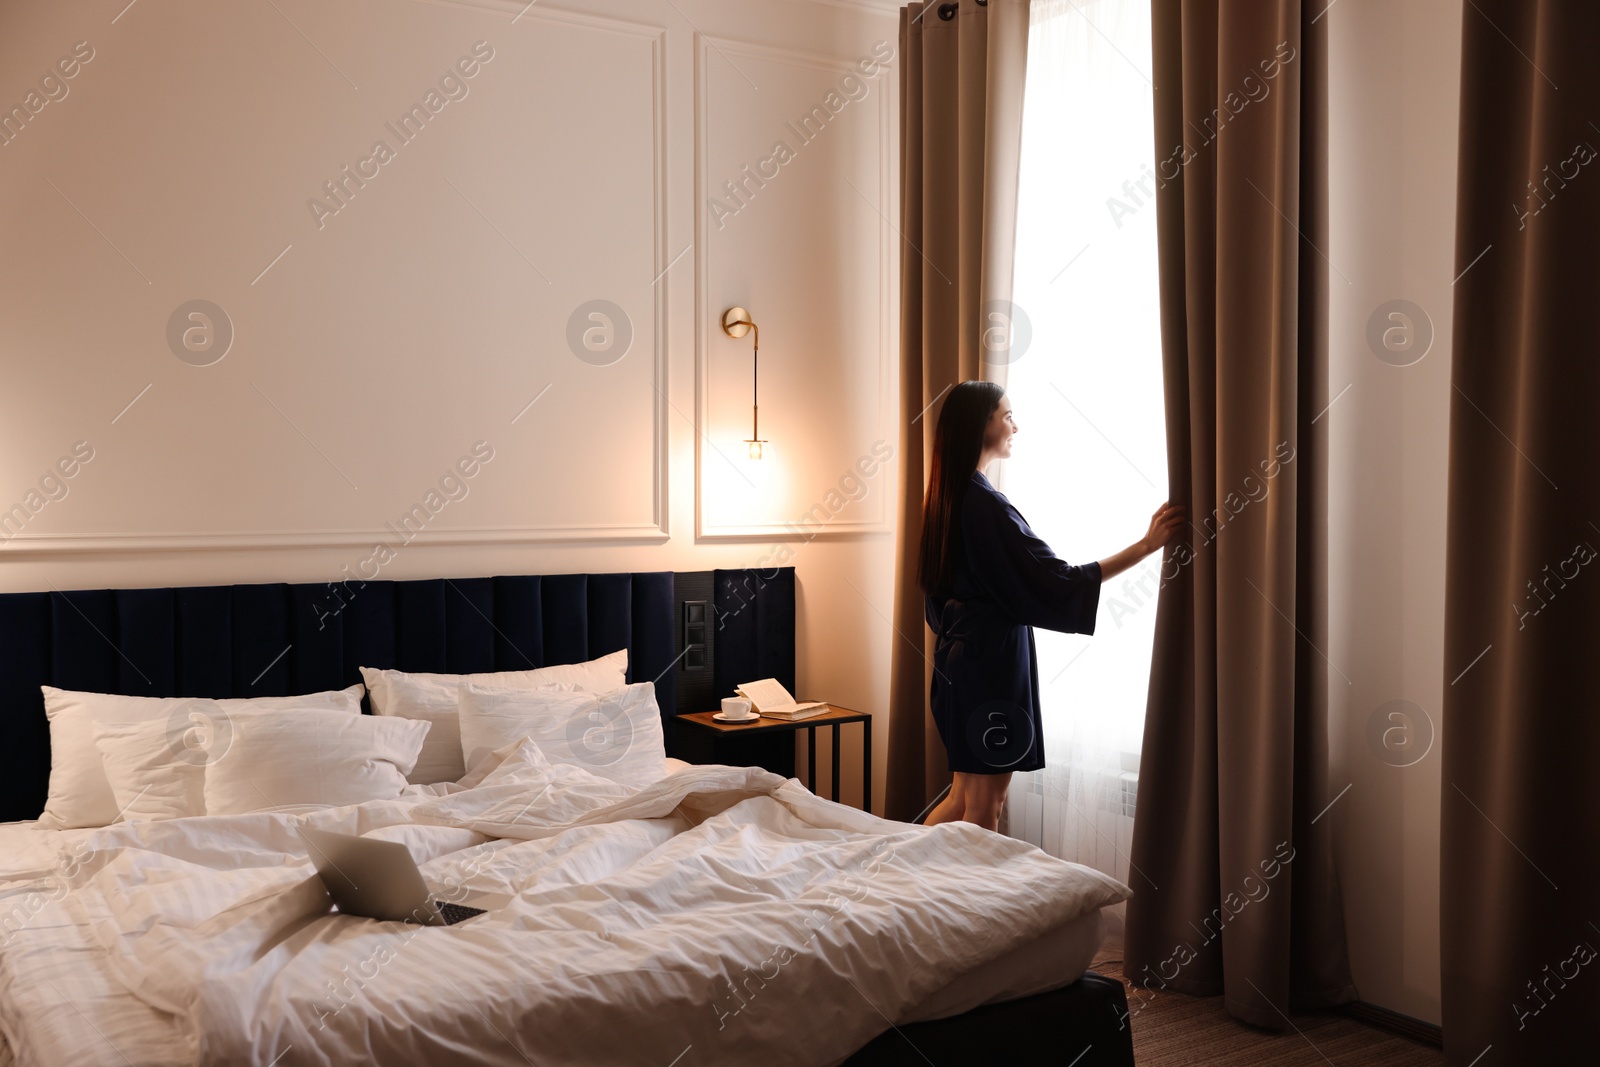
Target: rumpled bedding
pixel 721 915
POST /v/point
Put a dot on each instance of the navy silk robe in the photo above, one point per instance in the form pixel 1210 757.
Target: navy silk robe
pixel 1005 581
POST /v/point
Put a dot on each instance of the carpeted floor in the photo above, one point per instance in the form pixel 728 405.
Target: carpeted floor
pixel 1173 1030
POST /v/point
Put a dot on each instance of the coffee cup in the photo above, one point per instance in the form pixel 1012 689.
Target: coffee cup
pixel 737 708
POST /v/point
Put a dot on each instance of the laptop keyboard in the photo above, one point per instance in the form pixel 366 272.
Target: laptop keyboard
pixel 454 913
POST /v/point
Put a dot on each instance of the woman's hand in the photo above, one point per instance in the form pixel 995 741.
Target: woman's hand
pixel 1165 524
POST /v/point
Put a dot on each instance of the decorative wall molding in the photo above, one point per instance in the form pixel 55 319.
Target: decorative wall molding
pixel 707 316
pixel 654 531
pixel 73 544
pixel 870 7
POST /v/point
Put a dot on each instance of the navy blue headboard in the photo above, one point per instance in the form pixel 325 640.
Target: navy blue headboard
pixel 755 627
pixel 278 640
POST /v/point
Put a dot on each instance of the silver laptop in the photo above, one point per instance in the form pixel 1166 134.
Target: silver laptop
pixel 379 880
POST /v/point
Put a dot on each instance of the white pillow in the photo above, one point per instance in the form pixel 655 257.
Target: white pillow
pixel 615 735
pixel 435 698
pixel 285 759
pixel 80 794
pixel 150 776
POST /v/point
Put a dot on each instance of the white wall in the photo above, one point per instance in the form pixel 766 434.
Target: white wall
pixel 1395 70
pixel 427 312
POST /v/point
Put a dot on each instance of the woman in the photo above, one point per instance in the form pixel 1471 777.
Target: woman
pixel 989 580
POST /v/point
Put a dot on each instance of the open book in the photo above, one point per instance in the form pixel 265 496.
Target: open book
pixel 768 697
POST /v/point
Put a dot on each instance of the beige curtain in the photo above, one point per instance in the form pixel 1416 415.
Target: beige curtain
pixel 961 82
pixel 1520 812
pixel 1236 892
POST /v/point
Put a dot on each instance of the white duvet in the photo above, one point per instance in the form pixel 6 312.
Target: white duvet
pixel 720 916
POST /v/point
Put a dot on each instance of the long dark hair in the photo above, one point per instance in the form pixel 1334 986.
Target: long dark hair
pixel 957 446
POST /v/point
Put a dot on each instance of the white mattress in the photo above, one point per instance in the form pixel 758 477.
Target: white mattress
pixel 62 1000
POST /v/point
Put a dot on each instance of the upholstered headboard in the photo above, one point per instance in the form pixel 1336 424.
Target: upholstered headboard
pixel 282 639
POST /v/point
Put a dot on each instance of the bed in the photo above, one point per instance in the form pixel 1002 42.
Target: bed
pixel 716 915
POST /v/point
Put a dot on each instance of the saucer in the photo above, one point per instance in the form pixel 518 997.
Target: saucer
pixel 720 717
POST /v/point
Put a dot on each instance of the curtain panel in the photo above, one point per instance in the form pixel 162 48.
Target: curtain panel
pixel 1520 810
pixel 1235 891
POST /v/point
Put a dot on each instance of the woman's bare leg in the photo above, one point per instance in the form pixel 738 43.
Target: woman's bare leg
pixel 954 806
pixel 985 795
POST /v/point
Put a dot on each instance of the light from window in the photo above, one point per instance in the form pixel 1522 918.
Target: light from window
pixel 1089 465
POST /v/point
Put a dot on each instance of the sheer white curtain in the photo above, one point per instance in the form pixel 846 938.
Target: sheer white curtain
pixel 1089 465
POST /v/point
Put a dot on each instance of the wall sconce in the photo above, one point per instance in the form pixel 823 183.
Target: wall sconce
pixel 736 322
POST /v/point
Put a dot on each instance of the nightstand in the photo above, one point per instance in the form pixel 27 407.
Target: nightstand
pixel 701 739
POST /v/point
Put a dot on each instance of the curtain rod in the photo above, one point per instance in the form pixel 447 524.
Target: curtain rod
pixel 948 11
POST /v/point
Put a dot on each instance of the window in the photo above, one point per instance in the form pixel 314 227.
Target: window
pixel 1089 465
